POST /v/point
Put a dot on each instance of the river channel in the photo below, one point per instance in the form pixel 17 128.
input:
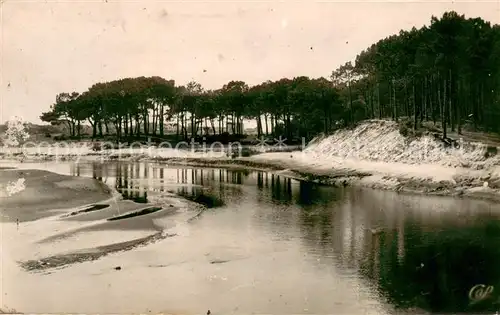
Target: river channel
pixel 267 244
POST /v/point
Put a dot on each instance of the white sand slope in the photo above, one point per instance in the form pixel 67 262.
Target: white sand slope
pixel 388 160
pixel 380 140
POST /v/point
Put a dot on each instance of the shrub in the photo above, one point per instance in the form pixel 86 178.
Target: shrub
pixel 403 130
pixel 96 146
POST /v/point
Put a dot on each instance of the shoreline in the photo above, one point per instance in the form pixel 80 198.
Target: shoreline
pixel 465 187
pixel 424 179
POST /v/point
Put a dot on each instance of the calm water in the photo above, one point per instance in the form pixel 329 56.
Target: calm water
pixel 347 246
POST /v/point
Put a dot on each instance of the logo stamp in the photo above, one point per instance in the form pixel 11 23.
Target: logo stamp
pixel 479 293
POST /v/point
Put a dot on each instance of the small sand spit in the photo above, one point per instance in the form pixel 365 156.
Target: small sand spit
pixel 43 192
pixel 58 261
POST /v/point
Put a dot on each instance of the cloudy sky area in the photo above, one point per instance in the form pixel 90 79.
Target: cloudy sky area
pixel 50 47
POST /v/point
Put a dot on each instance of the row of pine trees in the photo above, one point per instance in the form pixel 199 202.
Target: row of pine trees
pixel 447 72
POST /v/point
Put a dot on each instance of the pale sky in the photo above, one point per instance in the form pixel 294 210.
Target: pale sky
pixel 50 47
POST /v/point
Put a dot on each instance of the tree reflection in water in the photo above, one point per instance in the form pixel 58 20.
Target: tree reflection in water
pixel 417 251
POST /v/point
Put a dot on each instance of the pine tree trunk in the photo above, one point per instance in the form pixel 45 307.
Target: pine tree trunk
pixel 378 101
pixel 395 105
pixel 459 104
pixel 445 114
pixel 371 102
pixel 423 102
pixel 267 124
pixel 415 122
pixel 162 120
pixel 450 109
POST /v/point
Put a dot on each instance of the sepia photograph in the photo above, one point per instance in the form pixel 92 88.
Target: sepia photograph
pixel 249 157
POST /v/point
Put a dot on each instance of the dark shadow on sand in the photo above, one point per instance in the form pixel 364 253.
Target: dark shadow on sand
pixel 91 254
pixel 89 209
pixel 136 213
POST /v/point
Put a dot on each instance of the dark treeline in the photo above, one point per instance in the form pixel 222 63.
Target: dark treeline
pixel 447 72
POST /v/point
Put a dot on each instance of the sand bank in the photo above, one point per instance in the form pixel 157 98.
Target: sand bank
pixel 45 192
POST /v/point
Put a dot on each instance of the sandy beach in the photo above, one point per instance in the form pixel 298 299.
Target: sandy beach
pixel 55 221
